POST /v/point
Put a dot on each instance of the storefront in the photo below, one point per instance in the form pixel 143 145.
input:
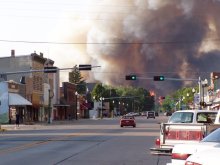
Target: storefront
pixel 17 104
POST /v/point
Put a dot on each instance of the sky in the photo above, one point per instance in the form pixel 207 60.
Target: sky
pixel 174 38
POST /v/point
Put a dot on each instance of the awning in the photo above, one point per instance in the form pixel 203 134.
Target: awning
pixel 16 99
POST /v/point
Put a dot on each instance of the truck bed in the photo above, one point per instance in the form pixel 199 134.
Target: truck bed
pixel 178 133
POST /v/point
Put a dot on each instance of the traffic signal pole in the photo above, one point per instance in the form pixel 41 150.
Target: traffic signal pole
pixel 45 70
pixel 163 78
pixel 3 77
pixel 167 78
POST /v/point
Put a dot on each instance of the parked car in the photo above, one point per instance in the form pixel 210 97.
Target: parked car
pixel 207 157
pixel 181 152
pixel 168 113
pixel 144 113
pixel 132 114
pixel 150 114
pixel 127 121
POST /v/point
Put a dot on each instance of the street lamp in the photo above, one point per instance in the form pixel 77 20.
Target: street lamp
pixel 76 94
pixel 214 80
pixel 181 101
pixel 101 98
pixel 187 100
pixel 114 112
pixel 51 94
pixel 183 98
pixel 204 84
pixel 193 91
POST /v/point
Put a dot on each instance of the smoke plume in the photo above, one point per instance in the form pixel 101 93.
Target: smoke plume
pixel 175 38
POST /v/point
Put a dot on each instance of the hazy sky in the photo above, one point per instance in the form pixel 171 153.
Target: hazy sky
pixel 45 21
pixel 175 38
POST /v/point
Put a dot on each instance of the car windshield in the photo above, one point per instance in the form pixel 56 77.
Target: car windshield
pixel 181 117
pixel 213 137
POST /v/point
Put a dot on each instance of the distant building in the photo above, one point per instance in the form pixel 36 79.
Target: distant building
pixel 72 105
pixel 67 107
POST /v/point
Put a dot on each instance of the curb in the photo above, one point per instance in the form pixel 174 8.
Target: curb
pixel 3 130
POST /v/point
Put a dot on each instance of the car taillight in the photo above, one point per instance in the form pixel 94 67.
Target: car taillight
pixel 180 156
pixel 157 141
pixel 192 163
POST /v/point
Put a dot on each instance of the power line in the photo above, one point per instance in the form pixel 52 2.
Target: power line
pixel 112 43
pixel 119 5
pixel 65 10
pixel 59 17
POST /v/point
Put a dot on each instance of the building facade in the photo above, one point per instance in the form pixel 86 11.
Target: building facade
pixel 37 83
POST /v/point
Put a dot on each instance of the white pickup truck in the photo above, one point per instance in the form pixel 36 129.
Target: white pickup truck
pixel 184 126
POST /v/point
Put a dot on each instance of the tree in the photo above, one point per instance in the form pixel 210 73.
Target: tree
pixel 167 104
pixel 98 91
pixel 179 99
pixel 76 78
pixel 139 99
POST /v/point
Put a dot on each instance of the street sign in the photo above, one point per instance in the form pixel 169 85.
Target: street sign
pixel 196 98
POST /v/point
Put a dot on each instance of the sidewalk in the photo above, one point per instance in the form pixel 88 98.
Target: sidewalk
pixel 56 124
pixel 39 125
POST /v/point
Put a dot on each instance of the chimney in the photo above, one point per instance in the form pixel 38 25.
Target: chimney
pixel 12 53
pixel 41 55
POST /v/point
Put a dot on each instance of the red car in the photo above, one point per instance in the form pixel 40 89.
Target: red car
pixel 127 121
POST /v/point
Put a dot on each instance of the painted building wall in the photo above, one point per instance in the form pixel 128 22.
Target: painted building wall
pixel 4 108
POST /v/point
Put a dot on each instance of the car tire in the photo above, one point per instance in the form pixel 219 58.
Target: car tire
pixel 121 125
pixel 134 125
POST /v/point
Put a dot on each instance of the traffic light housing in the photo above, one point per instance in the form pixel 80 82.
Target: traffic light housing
pixel 159 78
pixel 50 69
pixel 202 103
pixel 162 97
pixel 85 67
pixel 130 77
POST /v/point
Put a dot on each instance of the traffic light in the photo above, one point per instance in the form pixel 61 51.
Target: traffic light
pixel 159 78
pixel 50 69
pixel 162 97
pixel 130 77
pixel 85 67
pixel 202 103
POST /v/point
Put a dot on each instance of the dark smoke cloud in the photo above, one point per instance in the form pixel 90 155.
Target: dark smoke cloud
pixel 175 39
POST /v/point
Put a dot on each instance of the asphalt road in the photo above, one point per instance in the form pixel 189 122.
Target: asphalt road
pixel 82 142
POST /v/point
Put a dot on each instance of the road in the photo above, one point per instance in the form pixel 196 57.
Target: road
pixel 82 142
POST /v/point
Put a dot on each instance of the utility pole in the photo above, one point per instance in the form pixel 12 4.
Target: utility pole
pixel 76 95
pixel 200 93
pixel 49 107
pixel 51 94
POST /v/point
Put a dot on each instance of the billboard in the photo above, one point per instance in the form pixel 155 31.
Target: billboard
pixel 4 102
